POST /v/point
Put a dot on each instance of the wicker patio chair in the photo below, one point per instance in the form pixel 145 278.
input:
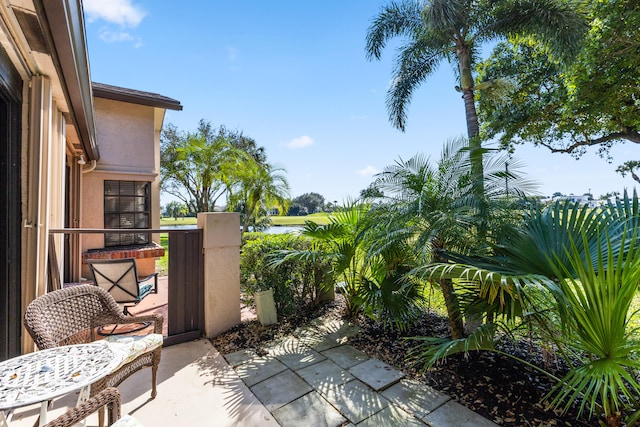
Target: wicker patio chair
pixel 72 315
pixel 109 397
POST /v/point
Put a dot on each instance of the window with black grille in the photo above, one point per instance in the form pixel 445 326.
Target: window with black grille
pixel 126 206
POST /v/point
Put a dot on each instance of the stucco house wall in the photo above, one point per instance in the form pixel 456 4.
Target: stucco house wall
pixel 128 153
pixel 47 125
pixel 50 101
pixel 129 135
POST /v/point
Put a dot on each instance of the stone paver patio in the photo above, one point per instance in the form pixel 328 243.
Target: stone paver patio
pixel 316 378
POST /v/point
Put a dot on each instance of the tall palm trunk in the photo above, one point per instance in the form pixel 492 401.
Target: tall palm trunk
pixel 473 126
pixel 473 133
pixel 466 87
pixel 475 154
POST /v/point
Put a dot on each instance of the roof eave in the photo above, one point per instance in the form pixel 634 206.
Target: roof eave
pixel 66 31
pixel 116 93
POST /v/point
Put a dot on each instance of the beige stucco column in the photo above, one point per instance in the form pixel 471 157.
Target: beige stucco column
pixel 221 241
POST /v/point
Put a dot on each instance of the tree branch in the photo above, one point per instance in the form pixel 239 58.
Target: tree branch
pixel 629 134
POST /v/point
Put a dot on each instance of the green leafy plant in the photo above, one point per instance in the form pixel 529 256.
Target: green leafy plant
pixel 389 295
pixel 340 243
pixel 594 297
pixel 370 276
pixel 260 187
pixel 587 264
pixel 432 32
pixel 294 283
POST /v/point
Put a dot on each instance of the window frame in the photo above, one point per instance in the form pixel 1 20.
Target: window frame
pixel 127 205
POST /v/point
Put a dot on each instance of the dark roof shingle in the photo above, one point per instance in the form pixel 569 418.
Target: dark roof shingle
pixel 101 90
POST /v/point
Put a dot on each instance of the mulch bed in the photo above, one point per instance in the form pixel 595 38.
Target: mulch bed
pixel 497 387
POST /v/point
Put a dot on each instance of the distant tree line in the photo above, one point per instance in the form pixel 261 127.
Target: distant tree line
pixel 305 204
pixel 203 168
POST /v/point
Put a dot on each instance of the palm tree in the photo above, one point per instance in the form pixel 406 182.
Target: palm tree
pixel 455 31
pixel 261 186
pixel 197 167
pixel 372 278
pixel 176 209
pixel 421 202
pixel 432 207
pixel 390 296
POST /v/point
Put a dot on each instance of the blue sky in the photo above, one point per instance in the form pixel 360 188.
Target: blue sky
pixel 293 76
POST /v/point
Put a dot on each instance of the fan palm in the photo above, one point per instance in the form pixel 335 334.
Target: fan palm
pixel 588 262
pixel 454 31
pixel 595 297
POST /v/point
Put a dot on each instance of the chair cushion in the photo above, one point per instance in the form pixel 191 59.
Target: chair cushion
pixel 127 421
pixel 129 347
pixel 145 289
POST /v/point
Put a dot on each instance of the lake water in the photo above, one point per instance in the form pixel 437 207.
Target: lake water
pixel 281 229
pixel 177 227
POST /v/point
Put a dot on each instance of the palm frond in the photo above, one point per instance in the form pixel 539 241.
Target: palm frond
pixel 507 290
pixel 596 381
pixel 397 19
pixel 280 257
pixel 390 300
pixel 595 293
pixel 415 62
pixel 333 230
pixel 624 211
pixel 446 15
pixel 432 350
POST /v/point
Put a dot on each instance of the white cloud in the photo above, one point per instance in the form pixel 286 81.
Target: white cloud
pixel 368 171
pixel 109 36
pixel 300 142
pixel 122 12
pixel 115 36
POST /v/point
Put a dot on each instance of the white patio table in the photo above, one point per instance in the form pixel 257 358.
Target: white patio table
pixel 44 375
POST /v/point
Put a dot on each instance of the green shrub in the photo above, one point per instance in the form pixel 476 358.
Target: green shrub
pixel 295 283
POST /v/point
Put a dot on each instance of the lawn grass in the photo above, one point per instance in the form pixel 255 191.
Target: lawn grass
pixel 319 218
pixel 162 264
pixel 435 300
pixel 191 220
